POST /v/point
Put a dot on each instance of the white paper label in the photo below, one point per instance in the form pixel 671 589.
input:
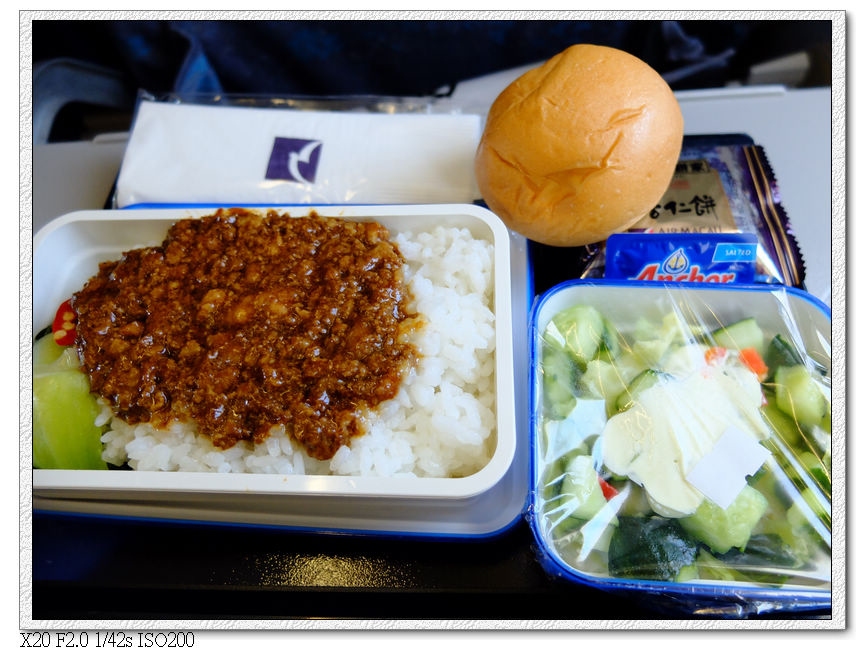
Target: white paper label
pixel 720 474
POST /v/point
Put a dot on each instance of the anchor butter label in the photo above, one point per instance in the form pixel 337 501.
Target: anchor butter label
pixel 676 262
pixel 718 258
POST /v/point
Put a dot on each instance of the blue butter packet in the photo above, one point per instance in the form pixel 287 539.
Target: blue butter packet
pixel 687 257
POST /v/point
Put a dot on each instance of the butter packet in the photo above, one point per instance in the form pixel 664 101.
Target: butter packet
pixel 722 184
pixel 720 258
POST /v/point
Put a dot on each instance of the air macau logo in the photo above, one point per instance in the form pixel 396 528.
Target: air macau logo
pixel 293 159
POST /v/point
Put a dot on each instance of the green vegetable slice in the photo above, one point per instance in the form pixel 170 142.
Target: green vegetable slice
pixel 784 425
pixel 580 330
pixel 722 529
pixel 581 492
pixel 64 411
pixel 818 469
pixel 653 548
pixel 781 353
pixel 641 382
pixel 761 552
pixel 797 395
pixel 560 375
pixel 740 335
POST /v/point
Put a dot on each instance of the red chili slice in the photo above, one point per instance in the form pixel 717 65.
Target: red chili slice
pixel 608 490
pixel 64 324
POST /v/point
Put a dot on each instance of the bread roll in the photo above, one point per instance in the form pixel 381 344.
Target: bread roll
pixel 580 147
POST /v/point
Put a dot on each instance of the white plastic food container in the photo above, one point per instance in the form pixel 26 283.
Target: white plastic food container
pixel 576 529
pixel 67 252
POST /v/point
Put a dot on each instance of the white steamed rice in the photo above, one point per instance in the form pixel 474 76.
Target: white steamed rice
pixel 441 423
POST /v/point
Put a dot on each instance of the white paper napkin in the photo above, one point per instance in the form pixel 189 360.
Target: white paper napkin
pixel 186 153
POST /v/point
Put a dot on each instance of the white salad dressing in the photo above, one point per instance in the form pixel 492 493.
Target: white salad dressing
pixel 676 422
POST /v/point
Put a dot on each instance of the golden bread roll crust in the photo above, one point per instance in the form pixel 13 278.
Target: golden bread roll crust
pixel 580 147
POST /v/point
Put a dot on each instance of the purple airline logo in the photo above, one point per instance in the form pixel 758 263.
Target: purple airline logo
pixel 293 159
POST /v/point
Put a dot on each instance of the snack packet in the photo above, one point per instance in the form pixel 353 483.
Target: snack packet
pixel 723 185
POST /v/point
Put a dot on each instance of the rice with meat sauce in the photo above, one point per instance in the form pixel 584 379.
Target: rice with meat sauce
pixel 441 422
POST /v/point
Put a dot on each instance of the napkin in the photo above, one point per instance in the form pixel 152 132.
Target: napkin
pixel 187 153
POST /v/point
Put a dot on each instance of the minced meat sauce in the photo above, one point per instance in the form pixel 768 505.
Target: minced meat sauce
pixel 242 321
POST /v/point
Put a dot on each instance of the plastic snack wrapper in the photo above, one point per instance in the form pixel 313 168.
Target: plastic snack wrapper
pixel 723 189
pixel 681 443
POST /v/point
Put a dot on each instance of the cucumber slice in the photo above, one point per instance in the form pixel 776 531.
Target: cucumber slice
pixel 784 425
pixel 605 380
pixel 722 529
pixel 798 395
pixel 654 548
pixel 610 345
pixel 641 382
pixel 567 526
pixel 826 422
pixel 579 330
pixel 762 551
pixel 551 481
pixel 688 573
pixel 64 410
pixel 781 353
pixel 817 469
pixel 644 330
pixel 45 352
pixel 740 335
pixel 581 492
pixel 650 352
pixel 551 492
pixel 567 438
pixel 559 381
pixel 711 568
pixel 551 484
pixel 799 522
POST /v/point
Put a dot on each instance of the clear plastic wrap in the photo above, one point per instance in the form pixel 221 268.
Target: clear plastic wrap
pixel 681 443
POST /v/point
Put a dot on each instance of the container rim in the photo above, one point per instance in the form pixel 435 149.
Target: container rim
pixel 552 563
pixel 76 481
pixel 697 286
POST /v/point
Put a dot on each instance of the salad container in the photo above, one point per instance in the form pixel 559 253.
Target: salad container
pixel 680 443
pixel 67 252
